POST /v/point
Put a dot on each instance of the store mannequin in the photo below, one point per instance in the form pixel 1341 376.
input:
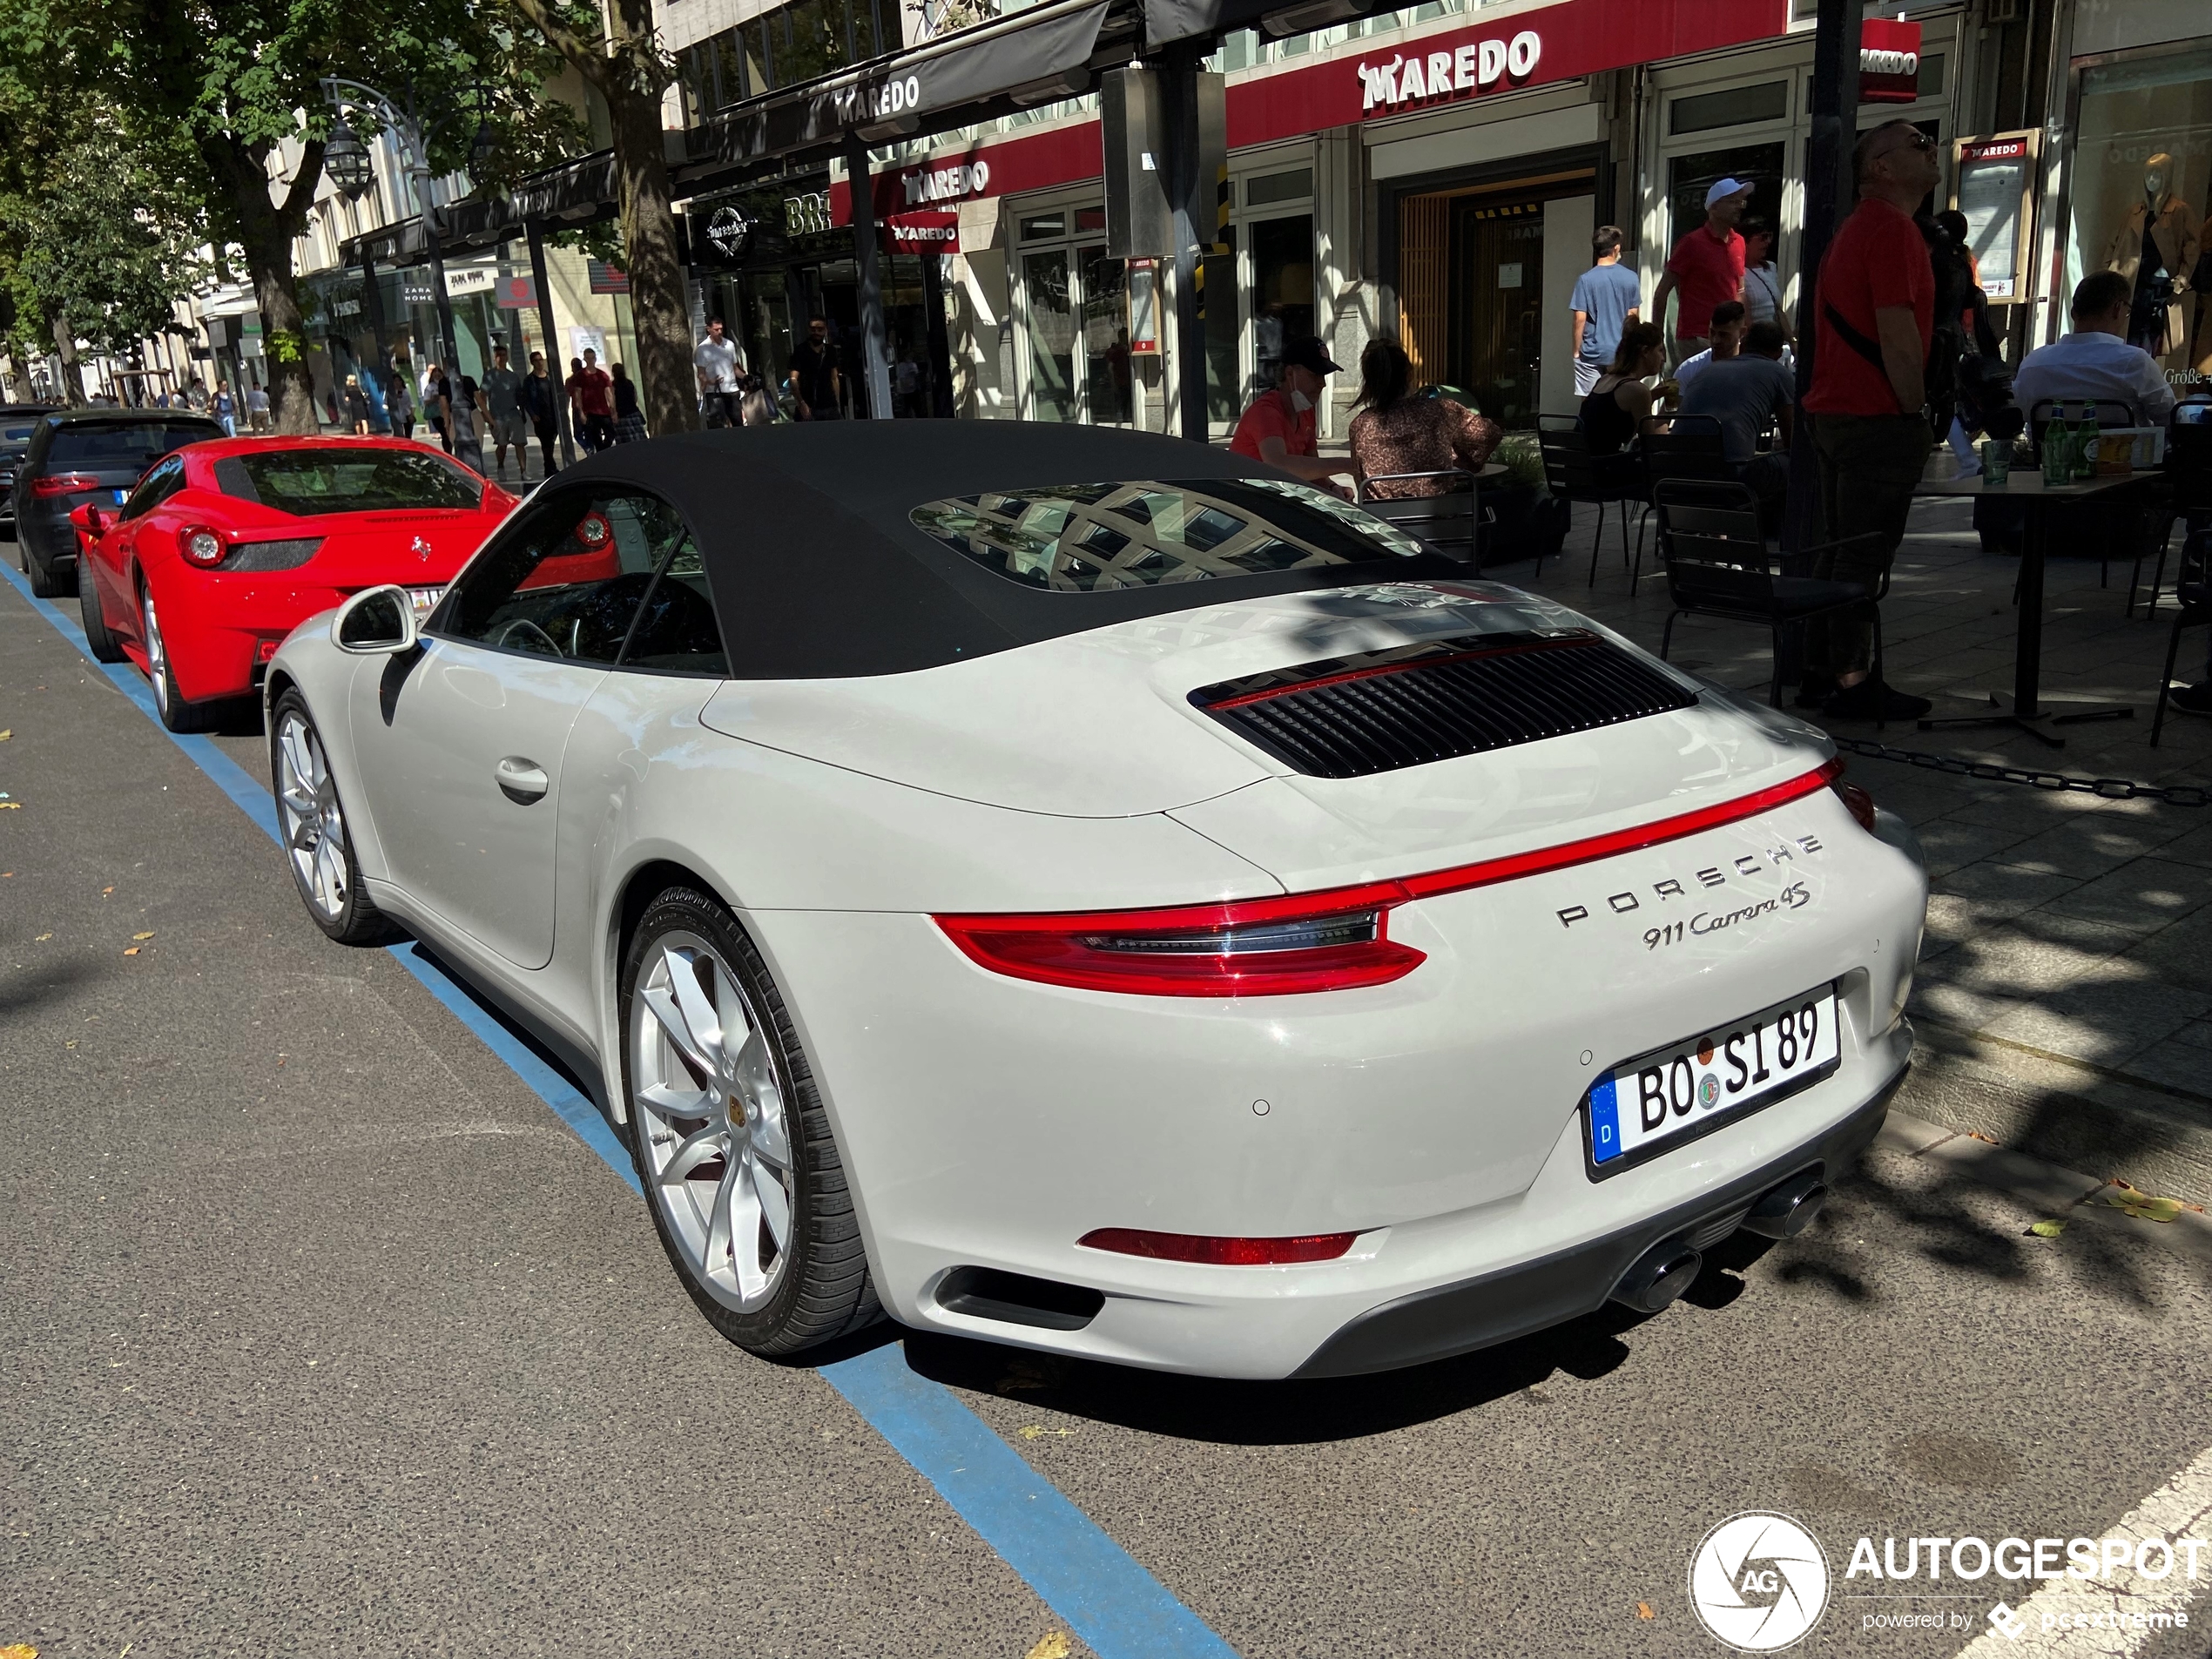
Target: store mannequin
pixel 2156 249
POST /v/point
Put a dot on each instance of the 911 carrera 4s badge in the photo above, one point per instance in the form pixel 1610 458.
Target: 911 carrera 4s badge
pixel 1718 911
pixel 1648 1105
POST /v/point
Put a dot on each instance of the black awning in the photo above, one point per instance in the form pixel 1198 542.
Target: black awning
pixel 575 193
pixel 1034 56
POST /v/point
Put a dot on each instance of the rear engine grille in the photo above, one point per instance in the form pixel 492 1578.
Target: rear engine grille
pixel 271 556
pixel 1352 716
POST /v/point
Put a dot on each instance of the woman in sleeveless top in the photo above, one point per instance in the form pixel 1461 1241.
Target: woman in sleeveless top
pixel 1618 403
pixel 1393 433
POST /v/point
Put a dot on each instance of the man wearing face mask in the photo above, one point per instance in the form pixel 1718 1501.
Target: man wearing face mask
pixel 1280 428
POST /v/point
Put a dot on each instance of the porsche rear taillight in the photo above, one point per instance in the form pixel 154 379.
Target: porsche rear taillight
pixel 1328 941
pixel 202 546
pixel 1219 1251
pixel 64 483
pixel 1859 804
pixel 1333 941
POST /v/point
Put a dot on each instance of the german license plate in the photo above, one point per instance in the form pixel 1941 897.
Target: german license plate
pixel 1659 1099
pixel 122 496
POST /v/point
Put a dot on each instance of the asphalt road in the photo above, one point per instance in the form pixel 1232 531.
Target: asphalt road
pixel 322 1335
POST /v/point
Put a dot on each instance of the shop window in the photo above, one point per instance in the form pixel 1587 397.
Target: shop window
pixel 2142 168
pixel 1089 218
pixel 1737 107
pixel 1296 185
pixel 1688 177
pixel 1042 227
pixel 1930 81
pixel 729 66
pixel 1051 334
pixel 1282 290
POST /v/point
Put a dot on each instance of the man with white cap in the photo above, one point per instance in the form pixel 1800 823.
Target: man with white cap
pixel 1706 268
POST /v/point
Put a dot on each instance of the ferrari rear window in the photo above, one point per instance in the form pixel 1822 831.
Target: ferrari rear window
pixel 1081 538
pixel 112 446
pixel 326 480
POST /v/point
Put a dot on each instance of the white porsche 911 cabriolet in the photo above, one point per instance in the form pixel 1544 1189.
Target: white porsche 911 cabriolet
pixel 1086 890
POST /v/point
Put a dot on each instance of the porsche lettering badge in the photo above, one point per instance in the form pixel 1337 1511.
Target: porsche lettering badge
pixel 1776 860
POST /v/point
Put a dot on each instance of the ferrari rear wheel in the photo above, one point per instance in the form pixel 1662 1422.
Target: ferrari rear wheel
pixel 732 1143
pixel 177 714
pixel 97 637
pixel 316 844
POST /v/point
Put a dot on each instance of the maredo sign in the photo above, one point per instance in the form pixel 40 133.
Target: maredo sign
pixel 1476 67
pixel 1889 61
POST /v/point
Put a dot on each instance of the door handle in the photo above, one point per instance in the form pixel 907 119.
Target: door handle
pixel 521 781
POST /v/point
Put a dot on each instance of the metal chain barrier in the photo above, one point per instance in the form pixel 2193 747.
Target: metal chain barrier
pixel 2108 788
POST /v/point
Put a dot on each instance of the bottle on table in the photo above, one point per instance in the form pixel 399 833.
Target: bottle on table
pixel 2057 434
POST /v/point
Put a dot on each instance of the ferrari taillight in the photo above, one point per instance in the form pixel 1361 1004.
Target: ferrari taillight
pixel 202 546
pixel 64 483
pixel 1219 1251
pixel 1329 942
pixel 1332 940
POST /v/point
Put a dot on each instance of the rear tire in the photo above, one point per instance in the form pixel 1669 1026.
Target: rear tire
pixel 97 637
pixel 44 584
pixel 318 846
pixel 735 1141
pixel 177 714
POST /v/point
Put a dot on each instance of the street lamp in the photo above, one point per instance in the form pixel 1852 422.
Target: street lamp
pixel 346 158
pixel 406 123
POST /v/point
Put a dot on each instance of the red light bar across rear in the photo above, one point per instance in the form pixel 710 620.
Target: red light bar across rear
pixel 1302 943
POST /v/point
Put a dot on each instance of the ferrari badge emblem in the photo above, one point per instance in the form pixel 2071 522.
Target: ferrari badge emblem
pixel 421 549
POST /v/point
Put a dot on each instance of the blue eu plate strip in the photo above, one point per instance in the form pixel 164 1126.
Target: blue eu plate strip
pixel 1109 1602
pixel 1605 1121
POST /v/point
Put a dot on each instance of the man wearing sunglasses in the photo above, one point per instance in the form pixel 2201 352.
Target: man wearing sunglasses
pixel 1868 407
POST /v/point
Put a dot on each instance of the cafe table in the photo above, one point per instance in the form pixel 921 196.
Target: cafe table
pixel 2023 708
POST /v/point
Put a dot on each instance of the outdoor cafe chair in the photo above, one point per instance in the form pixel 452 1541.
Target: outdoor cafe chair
pixel 1448 521
pixel 1574 474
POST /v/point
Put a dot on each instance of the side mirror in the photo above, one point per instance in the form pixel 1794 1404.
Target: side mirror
pixel 92 519
pixel 378 622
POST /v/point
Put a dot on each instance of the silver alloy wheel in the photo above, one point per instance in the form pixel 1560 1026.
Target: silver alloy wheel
pixel 710 1118
pixel 314 825
pixel 157 655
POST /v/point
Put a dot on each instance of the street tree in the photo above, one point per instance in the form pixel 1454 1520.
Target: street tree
pixel 612 47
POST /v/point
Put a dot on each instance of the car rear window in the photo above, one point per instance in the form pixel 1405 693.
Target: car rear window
pixel 1080 537
pixel 348 480
pixel 112 446
pixel 17 431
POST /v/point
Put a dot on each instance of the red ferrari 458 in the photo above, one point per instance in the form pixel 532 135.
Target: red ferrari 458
pixel 224 547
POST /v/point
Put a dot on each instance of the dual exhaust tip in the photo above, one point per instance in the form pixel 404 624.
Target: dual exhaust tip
pixel 1668 1268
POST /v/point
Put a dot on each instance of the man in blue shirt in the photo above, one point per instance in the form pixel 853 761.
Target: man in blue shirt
pixel 1607 299
pixel 1746 393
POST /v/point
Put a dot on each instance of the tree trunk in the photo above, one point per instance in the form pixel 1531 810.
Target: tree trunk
pixel 667 383
pixel 65 348
pixel 19 370
pixel 265 230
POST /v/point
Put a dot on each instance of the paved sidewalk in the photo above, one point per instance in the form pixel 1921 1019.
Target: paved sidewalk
pixel 2064 999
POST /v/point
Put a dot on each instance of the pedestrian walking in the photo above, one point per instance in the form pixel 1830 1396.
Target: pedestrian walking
pixel 1705 269
pixel 591 395
pixel 629 419
pixel 464 417
pixel 503 405
pixel 541 404
pixel 720 366
pixel 1278 429
pixel 356 407
pixel 437 404
pixel 226 408
pixel 1869 408
pixel 1392 433
pixel 399 398
pixel 257 408
pixel 1607 299
pixel 1761 282
pixel 816 382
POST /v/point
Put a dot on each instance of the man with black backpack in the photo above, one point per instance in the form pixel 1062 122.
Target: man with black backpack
pixel 1869 407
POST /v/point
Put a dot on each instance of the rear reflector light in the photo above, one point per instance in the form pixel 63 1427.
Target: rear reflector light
pixel 1332 940
pixel 65 483
pixel 1219 1252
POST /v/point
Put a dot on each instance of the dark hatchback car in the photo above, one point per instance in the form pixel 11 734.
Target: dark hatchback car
pixel 81 455
pixel 17 423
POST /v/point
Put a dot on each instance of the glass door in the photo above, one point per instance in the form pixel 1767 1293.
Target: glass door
pixel 1497 335
pixel 1049 320
pixel 1108 383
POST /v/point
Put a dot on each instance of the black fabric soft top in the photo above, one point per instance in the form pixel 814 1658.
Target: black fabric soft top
pixel 818 571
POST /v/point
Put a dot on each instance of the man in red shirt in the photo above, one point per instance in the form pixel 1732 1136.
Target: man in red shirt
pixel 595 402
pixel 1706 268
pixel 1278 427
pixel 1875 299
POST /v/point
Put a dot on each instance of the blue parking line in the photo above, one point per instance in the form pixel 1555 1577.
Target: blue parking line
pixel 1109 1601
